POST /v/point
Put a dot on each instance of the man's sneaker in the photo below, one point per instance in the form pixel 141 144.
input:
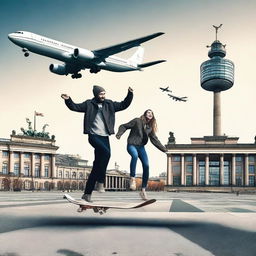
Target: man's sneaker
pixel 100 187
pixel 87 198
pixel 133 183
pixel 143 195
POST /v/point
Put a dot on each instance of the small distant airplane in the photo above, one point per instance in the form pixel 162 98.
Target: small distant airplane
pixel 177 98
pixel 76 59
pixel 165 89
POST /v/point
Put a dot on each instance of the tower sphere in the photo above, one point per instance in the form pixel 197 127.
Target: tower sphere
pixel 217 74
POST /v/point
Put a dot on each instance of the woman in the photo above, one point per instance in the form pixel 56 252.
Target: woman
pixel 141 129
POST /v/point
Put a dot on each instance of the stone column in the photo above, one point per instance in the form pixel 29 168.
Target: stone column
pixel 246 170
pixel 123 183
pixel 206 170
pixel 194 171
pixel 42 166
pixel 53 169
pixel 32 165
pixel 169 170
pixel 11 167
pixel 1 161
pixel 21 163
pixel 221 169
pixel 183 177
pixel 119 183
pixel 233 170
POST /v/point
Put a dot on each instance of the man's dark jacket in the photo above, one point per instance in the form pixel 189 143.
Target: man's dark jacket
pixel 90 109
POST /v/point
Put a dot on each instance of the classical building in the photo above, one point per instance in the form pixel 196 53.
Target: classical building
pixel 29 161
pixel 211 162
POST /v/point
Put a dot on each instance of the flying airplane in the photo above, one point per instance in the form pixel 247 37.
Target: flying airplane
pixel 177 98
pixel 165 89
pixel 76 59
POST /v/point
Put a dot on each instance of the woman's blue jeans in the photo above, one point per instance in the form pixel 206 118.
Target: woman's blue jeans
pixel 139 152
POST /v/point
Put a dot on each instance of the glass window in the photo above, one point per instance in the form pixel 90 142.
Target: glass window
pixel 176 180
pixel 46 171
pixel 37 171
pixel 238 180
pixel 5 154
pixel 189 180
pixel 251 169
pixel 176 170
pixel 239 158
pixel 73 175
pixel 188 158
pixel 201 175
pixel 176 158
pixel 252 159
pixel 16 155
pixel 37 156
pixel 16 169
pixel 47 157
pixel 5 168
pixel 67 174
pixel 26 155
pixel 239 170
pixel 81 175
pixel 26 169
pixel 189 169
pixel 252 180
pixel 214 175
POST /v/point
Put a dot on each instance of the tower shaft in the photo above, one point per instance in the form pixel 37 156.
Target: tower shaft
pixel 216 114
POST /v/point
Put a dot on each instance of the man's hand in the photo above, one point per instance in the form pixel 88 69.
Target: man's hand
pixel 130 89
pixel 64 96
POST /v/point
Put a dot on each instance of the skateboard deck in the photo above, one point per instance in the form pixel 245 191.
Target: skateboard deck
pixel 102 208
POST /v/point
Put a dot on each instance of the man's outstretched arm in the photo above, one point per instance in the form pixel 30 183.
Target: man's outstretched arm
pixel 125 103
pixel 81 107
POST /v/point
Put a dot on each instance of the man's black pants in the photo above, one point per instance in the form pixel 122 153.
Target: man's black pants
pixel 100 163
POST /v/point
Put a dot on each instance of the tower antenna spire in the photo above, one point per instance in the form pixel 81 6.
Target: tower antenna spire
pixel 216 28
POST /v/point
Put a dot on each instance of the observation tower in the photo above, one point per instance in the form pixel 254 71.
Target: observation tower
pixel 217 75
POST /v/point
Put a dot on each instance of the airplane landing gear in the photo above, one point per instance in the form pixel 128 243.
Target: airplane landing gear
pixel 76 76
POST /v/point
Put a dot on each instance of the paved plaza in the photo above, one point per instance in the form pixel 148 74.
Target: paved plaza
pixel 178 224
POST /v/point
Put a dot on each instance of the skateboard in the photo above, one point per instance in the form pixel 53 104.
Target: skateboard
pixel 102 208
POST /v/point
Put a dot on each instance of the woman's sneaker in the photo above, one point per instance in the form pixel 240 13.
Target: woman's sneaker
pixel 143 195
pixel 100 187
pixel 87 198
pixel 133 183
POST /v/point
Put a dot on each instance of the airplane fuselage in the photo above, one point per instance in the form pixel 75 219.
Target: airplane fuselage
pixel 65 52
pixel 76 58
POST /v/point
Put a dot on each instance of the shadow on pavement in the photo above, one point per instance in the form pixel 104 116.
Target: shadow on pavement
pixel 218 239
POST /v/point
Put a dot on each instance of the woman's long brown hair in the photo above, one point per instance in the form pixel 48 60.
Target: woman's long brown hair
pixel 152 122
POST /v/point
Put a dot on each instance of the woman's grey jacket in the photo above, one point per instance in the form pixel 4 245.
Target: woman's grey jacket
pixel 139 134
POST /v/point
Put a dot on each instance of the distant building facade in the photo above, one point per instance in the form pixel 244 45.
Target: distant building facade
pixel 32 163
pixel 211 162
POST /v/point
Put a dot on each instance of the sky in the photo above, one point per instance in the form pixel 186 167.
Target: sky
pixel 27 85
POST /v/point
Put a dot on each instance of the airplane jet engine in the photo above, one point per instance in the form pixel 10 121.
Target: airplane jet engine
pixel 59 69
pixel 83 54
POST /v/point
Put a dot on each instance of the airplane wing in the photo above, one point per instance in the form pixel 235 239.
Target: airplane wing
pixel 105 52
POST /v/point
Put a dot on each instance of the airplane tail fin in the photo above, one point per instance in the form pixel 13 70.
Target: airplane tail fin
pixel 148 64
pixel 137 57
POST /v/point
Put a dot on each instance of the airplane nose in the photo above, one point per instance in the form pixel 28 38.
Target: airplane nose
pixel 10 36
